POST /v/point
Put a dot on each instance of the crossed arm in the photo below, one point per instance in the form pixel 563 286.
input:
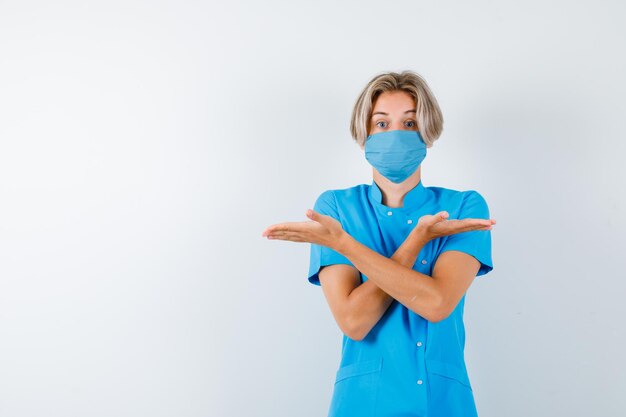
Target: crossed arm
pixel 358 307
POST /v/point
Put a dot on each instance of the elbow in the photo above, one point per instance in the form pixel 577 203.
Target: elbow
pixel 439 310
pixel 354 329
pixel 438 315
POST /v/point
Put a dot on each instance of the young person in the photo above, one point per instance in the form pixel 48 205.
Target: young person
pixel 394 259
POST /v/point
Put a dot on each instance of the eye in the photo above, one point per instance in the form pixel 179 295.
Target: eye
pixel 410 123
pixel 378 124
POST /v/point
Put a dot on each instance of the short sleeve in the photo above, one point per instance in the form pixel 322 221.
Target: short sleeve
pixel 321 255
pixel 476 243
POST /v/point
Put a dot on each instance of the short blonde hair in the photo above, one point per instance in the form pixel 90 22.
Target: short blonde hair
pixel 428 113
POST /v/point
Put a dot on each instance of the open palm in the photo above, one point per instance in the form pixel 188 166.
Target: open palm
pixel 323 230
pixel 437 225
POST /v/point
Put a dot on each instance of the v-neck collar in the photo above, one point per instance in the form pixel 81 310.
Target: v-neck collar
pixel 413 199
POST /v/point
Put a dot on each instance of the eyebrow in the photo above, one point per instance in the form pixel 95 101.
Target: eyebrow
pixel 387 114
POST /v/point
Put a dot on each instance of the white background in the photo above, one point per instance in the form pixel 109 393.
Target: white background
pixel 145 145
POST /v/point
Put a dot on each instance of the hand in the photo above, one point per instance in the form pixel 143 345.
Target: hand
pixel 432 226
pixel 323 230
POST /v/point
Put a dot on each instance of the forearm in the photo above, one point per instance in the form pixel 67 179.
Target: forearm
pixel 394 276
pixel 368 302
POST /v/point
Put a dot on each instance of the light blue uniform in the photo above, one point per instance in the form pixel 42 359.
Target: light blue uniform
pixel 406 365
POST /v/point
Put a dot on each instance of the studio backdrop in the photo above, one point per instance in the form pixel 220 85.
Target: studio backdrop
pixel 145 146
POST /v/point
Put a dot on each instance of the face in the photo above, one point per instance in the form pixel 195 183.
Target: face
pixel 393 110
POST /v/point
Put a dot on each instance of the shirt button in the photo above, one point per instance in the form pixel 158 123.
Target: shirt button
pixel 409 221
pixel 419 382
pixel 389 213
pixel 424 261
pixel 419 343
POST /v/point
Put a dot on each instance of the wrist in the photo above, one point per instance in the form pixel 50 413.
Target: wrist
pixel 342 244
pixel 418 235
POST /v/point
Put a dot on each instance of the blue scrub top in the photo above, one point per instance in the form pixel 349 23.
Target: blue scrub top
pixel 406 365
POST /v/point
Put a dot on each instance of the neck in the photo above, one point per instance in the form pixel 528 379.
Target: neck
pixel 392 193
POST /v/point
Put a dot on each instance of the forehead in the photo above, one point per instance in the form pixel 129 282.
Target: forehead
pixel 394 101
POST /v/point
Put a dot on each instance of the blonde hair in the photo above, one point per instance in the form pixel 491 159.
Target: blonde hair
pixel 428 113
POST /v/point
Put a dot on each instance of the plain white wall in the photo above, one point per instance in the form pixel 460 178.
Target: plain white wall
pixel 144 147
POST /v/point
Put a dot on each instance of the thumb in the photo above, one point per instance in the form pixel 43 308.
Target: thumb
pixel 441 216
pixel 315 216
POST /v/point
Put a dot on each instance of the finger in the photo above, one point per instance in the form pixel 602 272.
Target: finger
pixel 470 224
pixel 482 224
pixel 289 235
pixel 280 234
pixel 486 221
pixel 457 226
pixel 288 226
pixel 477 226
pixel 289 238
